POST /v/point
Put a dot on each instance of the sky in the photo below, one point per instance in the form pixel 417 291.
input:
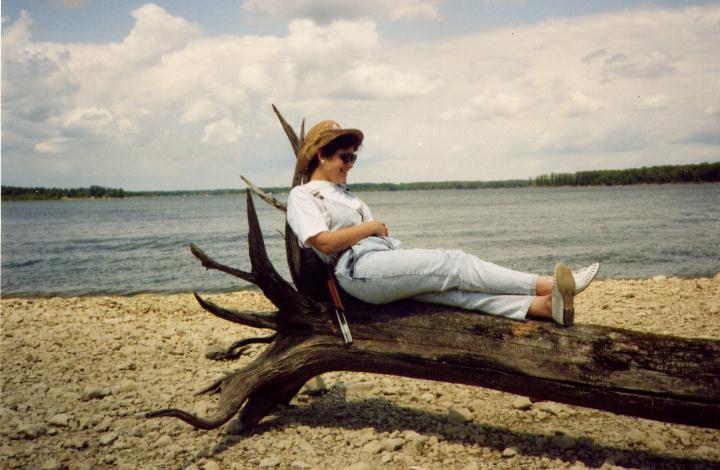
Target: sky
pixel 177 94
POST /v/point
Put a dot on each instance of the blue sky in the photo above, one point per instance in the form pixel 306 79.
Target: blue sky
pixel 167 95
pixel 103 21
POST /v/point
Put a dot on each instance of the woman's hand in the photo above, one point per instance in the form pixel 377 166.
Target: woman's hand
pixel 334 242
pixel 377 228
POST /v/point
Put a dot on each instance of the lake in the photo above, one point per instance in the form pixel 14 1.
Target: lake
pixel 127 246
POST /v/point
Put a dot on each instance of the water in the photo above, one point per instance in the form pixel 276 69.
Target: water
pixel 140 245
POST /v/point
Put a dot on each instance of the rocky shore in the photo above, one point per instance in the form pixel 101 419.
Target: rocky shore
pixel 76 371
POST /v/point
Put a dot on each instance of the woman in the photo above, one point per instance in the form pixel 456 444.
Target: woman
pixel 373 267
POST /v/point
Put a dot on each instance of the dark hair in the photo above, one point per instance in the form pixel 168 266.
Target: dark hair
pixel 346 140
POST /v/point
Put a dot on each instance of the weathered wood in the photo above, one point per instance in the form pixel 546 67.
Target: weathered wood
pixel 273 201
pixel 628 372
pixel 638 374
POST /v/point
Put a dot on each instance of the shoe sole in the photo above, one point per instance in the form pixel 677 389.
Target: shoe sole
pixel 566 288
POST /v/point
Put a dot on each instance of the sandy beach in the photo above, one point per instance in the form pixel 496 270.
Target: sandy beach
pixel 76 371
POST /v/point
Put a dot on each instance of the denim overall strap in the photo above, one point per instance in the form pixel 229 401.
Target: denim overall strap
pixel 332 284
pixel 333 259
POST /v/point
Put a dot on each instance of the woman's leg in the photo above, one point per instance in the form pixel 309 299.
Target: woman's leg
pixel 515 307
pixel 543 285
pixel 541 306
pixel 384 276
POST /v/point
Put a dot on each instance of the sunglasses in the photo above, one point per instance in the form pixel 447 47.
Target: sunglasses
pixel 348 157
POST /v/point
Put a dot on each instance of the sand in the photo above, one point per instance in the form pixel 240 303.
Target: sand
pixel 76 371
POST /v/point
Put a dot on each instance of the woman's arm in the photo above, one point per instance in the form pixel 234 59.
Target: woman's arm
pixel 339 240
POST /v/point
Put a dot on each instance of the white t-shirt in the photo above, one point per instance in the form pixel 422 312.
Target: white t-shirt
pixel 323 206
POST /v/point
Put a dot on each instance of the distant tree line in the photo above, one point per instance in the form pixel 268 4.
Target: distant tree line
pixel 14 193
pixel 419 186
pixel 693 173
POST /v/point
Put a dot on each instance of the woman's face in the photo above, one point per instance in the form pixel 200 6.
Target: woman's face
pixel 334 168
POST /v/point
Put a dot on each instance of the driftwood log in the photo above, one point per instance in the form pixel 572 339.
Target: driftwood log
pixel 627 372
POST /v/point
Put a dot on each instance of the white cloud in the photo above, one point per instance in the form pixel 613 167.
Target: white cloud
pixel 199 110
pixel 502 104
pixel 154 34
pixel 222 132
pixel 579 103
pixel 324 11
pixel 53 145
pixel 339 44
pixel 380 81
pixel 90 119
pixel 488 105
pixel 560 95
pixel 656 102
pixel 654 64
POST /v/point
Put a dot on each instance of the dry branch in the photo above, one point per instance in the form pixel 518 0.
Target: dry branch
pixel 265 196
pixel 209 263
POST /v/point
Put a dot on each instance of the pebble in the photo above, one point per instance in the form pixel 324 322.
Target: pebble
pixel 707 452
pixel 564 442
pixel 78 443
pixel 211 465
pixel 129 365
pixel 122 444
pixel 164 441
pixel 31 431
pixel 655 443
pixel 96 393
pixel 51 464
pixel 109 438
pixel 6 451
pixel 578 466
pixel 359 466
pixel 636 436
pixel 360 387
pixel 216 351
pixel 300 464
pixel 459 415
pixel 509 452
pixel 549 407
pixel 392 444
pixel 104 425
pixel 269 462
pixel 372 447
pixel 682 435
pixel 60 420
pixel 126 387
pixel 315 386
pixel 522 403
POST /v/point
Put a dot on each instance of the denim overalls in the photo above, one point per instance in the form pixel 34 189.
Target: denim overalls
pixel 378 270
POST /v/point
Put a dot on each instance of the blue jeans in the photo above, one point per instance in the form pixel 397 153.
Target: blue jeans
pixel 378 271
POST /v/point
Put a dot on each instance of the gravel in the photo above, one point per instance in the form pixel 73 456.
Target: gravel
pixel 78 371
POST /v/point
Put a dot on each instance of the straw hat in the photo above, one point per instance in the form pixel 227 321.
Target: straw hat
pixel 319 136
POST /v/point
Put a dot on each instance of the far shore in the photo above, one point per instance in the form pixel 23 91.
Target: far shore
pixel 695 173
pixel 356 187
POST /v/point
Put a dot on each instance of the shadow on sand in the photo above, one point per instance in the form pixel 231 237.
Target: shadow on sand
pixel 384 416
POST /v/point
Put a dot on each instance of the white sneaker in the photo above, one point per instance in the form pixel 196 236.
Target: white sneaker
pixel 583 277
pixel 563 295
